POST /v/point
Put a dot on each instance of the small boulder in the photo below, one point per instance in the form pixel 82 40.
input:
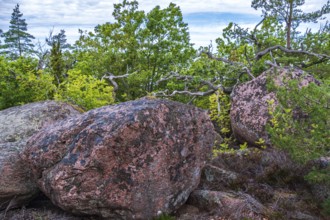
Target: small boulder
pixel 133 160
pixel 230 205
pixel 249 112
pixel 214 177
pixel 17 124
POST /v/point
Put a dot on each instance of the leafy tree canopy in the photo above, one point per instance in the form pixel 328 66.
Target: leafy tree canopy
pixel 144 45
pixel 21 82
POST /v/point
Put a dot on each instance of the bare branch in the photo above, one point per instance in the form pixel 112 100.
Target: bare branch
pixel 248 72
pixel 247 57
pixel 271 55
pixel 176 92
pixel 111 78
pixel 268 62
pixel 264 52
pixel 174 75
pixel 210 55
pixel 260 22
pixel 304 65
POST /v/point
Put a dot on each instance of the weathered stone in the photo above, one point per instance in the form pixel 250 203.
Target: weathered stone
pixel 231 205
pixel 17 124
pixel 214 177
pixel 128 161
pixel 249 112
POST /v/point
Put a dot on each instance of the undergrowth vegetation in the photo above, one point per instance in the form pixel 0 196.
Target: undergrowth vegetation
pixel 300 125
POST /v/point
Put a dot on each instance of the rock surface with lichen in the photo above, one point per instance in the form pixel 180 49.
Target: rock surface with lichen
pixel 249 111
pixel 133 160
pixel 17 124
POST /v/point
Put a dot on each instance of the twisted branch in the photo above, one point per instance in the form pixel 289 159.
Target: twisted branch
pixel 212 88
pixel 264 52
pixel 111 78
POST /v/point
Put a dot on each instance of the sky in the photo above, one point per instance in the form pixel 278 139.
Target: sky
pixel 205 18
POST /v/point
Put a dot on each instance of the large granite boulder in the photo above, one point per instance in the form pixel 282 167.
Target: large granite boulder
pixel 17 124
pixel 134 160
pixel 249 112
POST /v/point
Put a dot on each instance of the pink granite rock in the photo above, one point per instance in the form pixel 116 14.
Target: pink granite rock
pixel 128 161
pixel 17 124
pixel 249 112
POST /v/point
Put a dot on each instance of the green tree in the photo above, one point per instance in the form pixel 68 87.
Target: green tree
pixel 17 39
pixel 300 125
pixel 60 38
pixel 85 91
pixel 21 82
pixel 56 58
pixel 165 43
pixel 144 46
pixel 288 11
pixel 318 42
pixel 57 63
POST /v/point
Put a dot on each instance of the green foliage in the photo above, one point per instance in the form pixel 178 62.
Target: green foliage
pixel 326 207
pixel 318 42
pixel 58 38
pixel 59 57
pixel 21 82
pixel 165 217
pixel 300 123
pixel 261 143
pixel 219 111
pixel 85 91
pixel 319 176
pixel 56 63
pixel 145 45
pixel 17 39
pixel 288 12
pixel 219 106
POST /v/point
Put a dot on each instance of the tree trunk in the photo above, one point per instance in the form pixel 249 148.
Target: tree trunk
pixel 288 26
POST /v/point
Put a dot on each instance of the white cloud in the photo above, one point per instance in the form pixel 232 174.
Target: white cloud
pixel 43 15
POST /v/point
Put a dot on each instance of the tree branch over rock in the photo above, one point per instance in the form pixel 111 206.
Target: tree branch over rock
pixel 211 56
pixel 112 78
pixel 279 47
pixel 212 87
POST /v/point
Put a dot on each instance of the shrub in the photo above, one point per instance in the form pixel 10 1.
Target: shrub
pixel 300 125
pixel 21 82
pixel 85 91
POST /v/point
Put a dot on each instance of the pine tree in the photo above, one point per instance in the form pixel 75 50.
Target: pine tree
pixel 288 11
pixel 60 37
pixel 56 62
pixel 17 40
pixel 57 65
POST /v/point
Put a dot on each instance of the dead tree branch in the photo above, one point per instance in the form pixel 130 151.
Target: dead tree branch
pixel 266 51
pixel 211 56
pixel 185 92
pixel 112 78
pixel 268 62
pixel 212 87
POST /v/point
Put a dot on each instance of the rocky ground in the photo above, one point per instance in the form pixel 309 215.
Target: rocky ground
pixel 249 184
pixel 130 160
